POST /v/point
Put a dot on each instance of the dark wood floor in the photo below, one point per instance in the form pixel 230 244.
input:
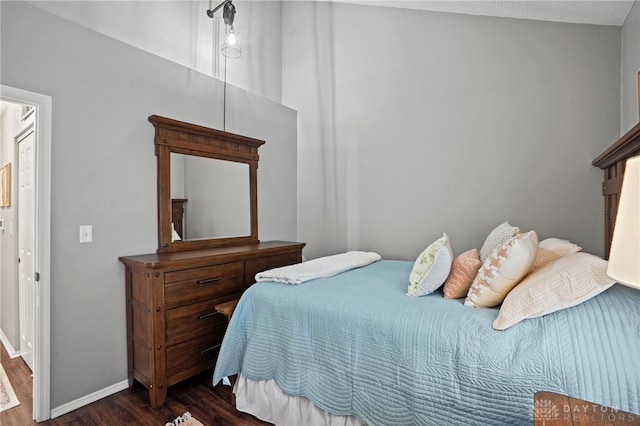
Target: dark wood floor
pixel 210 405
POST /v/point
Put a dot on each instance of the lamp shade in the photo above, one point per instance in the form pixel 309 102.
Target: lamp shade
pixel 624 257
pixel 231 47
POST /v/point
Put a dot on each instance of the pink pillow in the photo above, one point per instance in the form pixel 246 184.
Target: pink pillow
pixel 463 270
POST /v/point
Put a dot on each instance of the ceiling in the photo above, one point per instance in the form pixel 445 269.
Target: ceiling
pixel 599 12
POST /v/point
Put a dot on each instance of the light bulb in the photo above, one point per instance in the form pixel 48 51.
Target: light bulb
pixel 231 38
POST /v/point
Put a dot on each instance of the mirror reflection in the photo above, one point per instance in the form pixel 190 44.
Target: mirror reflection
pixel 210 198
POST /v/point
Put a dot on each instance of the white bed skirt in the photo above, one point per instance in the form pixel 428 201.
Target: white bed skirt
pixel 267 402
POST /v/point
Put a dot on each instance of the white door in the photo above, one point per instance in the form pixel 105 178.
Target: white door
pixel 26 244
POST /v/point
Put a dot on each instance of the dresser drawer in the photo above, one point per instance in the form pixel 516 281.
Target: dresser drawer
pixel 194 320
pixel 191 357
pixel 253 266
pixel 196 284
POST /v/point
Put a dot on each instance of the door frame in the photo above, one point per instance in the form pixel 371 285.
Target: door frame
pixel 42 350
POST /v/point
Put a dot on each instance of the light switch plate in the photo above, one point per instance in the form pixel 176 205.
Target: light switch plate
pixel 86 233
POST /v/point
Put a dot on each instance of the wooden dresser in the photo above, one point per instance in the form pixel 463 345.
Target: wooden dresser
pixel 173 329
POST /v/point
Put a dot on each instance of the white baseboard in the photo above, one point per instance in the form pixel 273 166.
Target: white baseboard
pixel 7 345
pixel 88 399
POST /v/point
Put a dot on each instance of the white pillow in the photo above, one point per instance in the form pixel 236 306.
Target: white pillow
pixel 553 248
pixel 431 268
pixel 561 283
pixel 501 271
pixel 499 235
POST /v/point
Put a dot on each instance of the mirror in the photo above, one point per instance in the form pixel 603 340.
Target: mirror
pixel 207 186
pixel 220 208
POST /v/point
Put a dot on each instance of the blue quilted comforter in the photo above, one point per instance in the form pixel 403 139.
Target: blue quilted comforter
pixel 356 344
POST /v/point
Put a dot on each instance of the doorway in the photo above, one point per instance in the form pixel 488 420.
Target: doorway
pixel 32 177
pixel 26 240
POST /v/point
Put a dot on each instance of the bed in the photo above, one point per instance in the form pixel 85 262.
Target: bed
pixel 352 348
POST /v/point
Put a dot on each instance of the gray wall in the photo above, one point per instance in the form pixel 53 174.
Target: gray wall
pixel 104 173
pixel 413 123
pixel 193 38
pixel 630 66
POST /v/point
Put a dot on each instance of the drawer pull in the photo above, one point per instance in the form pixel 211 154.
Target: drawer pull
pixel 209 280
pixel 209 315
pixel 204 351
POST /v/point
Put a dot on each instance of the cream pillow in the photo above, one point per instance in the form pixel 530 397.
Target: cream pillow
pixel 553 248
pixel 561 283
pixel 499 235
pixel 463 270
pixel 431 268
pixel 502 270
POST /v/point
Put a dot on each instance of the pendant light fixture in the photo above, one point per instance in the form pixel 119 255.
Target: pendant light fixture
pixel 230 48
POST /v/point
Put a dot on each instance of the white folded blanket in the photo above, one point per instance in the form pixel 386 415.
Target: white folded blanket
pixel 321 267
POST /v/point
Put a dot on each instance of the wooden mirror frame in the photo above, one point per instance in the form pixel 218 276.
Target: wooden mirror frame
pixel 184 138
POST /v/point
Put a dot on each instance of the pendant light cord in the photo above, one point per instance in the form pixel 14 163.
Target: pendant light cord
pixel 224 98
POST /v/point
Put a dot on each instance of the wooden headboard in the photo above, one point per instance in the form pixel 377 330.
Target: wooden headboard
pixel 613 161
